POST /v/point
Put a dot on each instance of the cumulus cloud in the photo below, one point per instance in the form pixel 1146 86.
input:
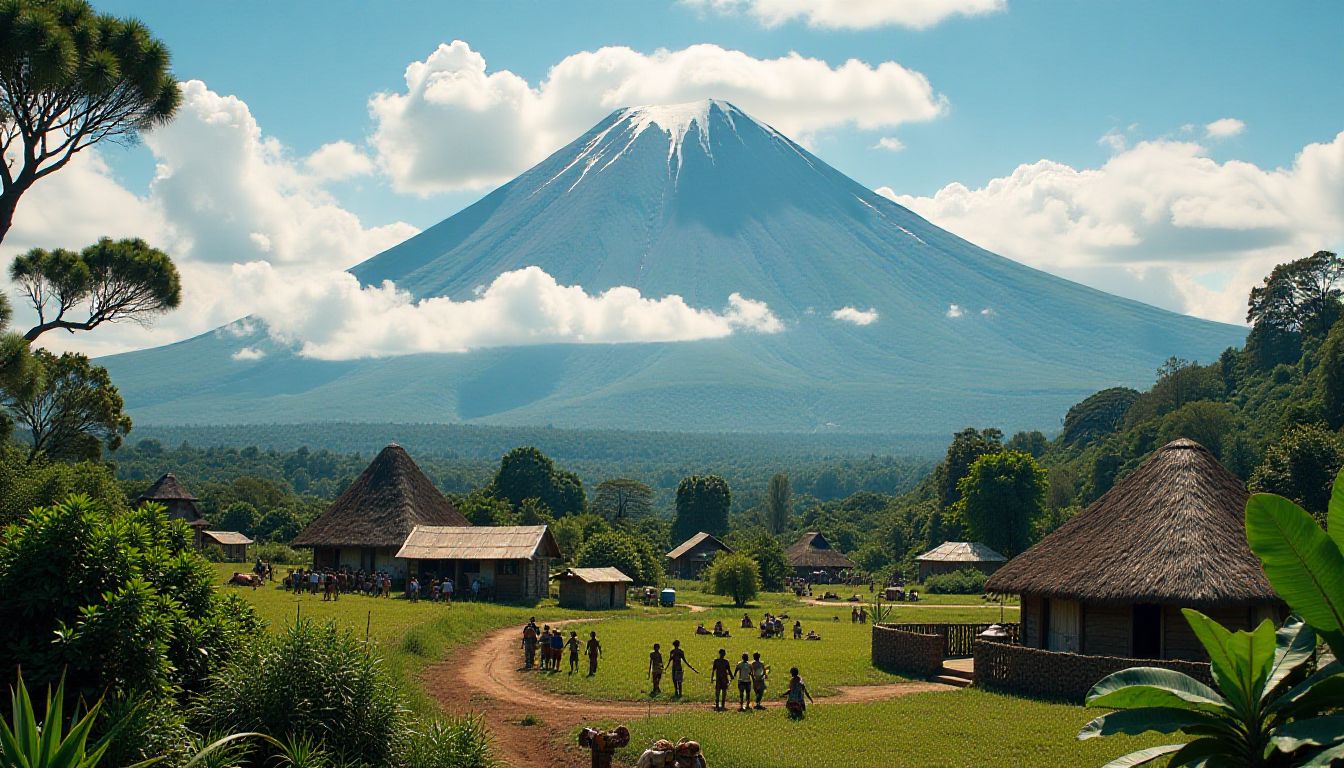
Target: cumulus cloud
pixel 336 161
pixel 458 125
pixel 955 310
pixel 889 143
pixel 855 315
pixel 854 14
pixel 1224 128
pixel 1160 222
pixel 248 354
pixel 330 316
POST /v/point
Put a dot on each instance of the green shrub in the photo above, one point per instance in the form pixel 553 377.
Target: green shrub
pixel 967 581
pixel 312 681
pixel 735 575
pixel 276 553
pixel 616 549
pixel 214 553
pixel 459 742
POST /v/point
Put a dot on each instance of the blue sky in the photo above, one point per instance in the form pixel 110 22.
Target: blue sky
pixel 1170 152
pixel 1036 80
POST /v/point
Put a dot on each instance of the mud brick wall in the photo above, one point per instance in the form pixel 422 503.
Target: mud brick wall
pixel 1064 676
pixel 907 653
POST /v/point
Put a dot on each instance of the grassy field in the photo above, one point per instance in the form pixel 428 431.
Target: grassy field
pixel 968 728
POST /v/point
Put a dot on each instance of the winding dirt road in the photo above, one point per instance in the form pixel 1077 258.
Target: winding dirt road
pixel 485 679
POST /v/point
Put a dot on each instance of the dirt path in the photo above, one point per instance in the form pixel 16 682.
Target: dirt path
pixel 485 679
pixel 847 604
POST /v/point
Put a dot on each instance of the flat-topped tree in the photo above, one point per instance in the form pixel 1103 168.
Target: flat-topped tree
pixel 71 77
pixel 111 280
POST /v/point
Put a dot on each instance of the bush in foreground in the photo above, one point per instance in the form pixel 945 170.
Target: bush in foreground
pixel 967 581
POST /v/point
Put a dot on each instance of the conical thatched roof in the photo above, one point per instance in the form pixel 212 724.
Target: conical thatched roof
pixel 167 488
pixel 1170 532
pixel 814 551
pixel 961 552
pixel 381 507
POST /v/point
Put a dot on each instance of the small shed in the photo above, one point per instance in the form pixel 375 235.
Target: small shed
pixel 689 559
pixel 958 555
pixel 592 589
pixel 179 502
pixel 233 543
pixel 813 553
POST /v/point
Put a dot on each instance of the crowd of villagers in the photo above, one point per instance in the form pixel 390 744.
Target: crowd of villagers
pixel 331 583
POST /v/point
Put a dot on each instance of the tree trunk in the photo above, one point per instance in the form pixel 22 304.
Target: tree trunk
pixel 9 201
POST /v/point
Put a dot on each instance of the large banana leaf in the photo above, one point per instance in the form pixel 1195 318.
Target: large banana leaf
pixel 1201 752
pixel 1295 642
pixel 1323 688
pixel 1143 756
pixel 1241 662
pixel 1322 731
pixel 1334 517
pixel 1325 757
pixel 1140 687
pixel 1305 565
pixel 1136 721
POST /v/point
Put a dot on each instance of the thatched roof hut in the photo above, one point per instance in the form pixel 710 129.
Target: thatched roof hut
pixel 691 557
pixel 179 502
pixel 956 555
pixel 367 524
pixel 812 553
pixel 1112 580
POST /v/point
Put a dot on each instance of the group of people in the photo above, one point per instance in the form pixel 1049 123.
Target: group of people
pixel 719 630
pixel 773 626
pixel 858 615
pixel 437 590
pixel 752 676
pixel 550 645
pixel 331 583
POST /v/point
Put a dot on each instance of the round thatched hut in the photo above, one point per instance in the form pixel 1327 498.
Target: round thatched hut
pixel 1112 581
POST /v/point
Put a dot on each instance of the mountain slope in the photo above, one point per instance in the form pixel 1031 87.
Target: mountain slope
pixel 703 201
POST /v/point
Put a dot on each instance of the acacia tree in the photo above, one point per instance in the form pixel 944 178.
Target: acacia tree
pixel 1301 296
pixel 71 411
pixel 71 77
pixel 622 498
pixel 113 280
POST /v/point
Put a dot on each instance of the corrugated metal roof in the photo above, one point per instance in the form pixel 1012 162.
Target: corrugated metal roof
pixel 595 575
pixel 694 542
pixel 456 542
pixel 227 537
pixel 962 552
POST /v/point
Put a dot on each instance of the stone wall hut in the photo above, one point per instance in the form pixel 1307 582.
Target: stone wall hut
pixel 366 526
pixel 233 543
pixel 180 503
pixel 813 553
pixel 592 589
pixel 691 557
pixel 958 555
pixel 1112 581
pixel 511 562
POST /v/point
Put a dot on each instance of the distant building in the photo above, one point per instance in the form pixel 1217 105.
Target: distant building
pixel 233 543
pixel 366 526
pixel 689 559
pixel 511 562
pixel 957 555
pixel 813 555
pixel 180 503
pixel 1112 581
pixel 592 589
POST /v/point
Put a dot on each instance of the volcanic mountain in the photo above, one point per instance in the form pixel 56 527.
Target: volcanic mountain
pixel 703 201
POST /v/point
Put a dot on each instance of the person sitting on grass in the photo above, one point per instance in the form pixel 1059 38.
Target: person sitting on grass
pixel 797 696
pixel 700 629
pixel 812 635
pixel 746 621
pixel 721 671
pixel 719 631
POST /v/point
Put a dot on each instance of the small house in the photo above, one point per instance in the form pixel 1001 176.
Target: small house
pixel 1112 581
pixel 179 502
pixel 365 527
pixel 812 556
pixel 233 543
pixel 592 589
pixel 958 555
pixel 689 559
pixel 510 562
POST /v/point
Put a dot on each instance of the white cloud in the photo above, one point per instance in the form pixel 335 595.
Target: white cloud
pixel 889 143
pixel 854 14
pixel 955 310
pixel 223 192
pixel 855 315
pixel 1114 140
pixel 458 125
pixel 337 161
pixel 248 353
pixel 987 312
pixel 1160 222
pixel 1224 128
pixel 328 315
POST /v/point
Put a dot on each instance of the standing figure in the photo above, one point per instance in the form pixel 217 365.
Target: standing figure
pixel 573 644
pixel 759 673
pixel 656 669
pixel 721 671
pixel 676 659
pixel 594 649
pixel 743 675
pixel 530 644
pixel 797 697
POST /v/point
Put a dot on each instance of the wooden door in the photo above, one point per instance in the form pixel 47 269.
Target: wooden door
pixel 1064 626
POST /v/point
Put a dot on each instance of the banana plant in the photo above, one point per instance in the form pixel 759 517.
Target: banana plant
pixel 1258 714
